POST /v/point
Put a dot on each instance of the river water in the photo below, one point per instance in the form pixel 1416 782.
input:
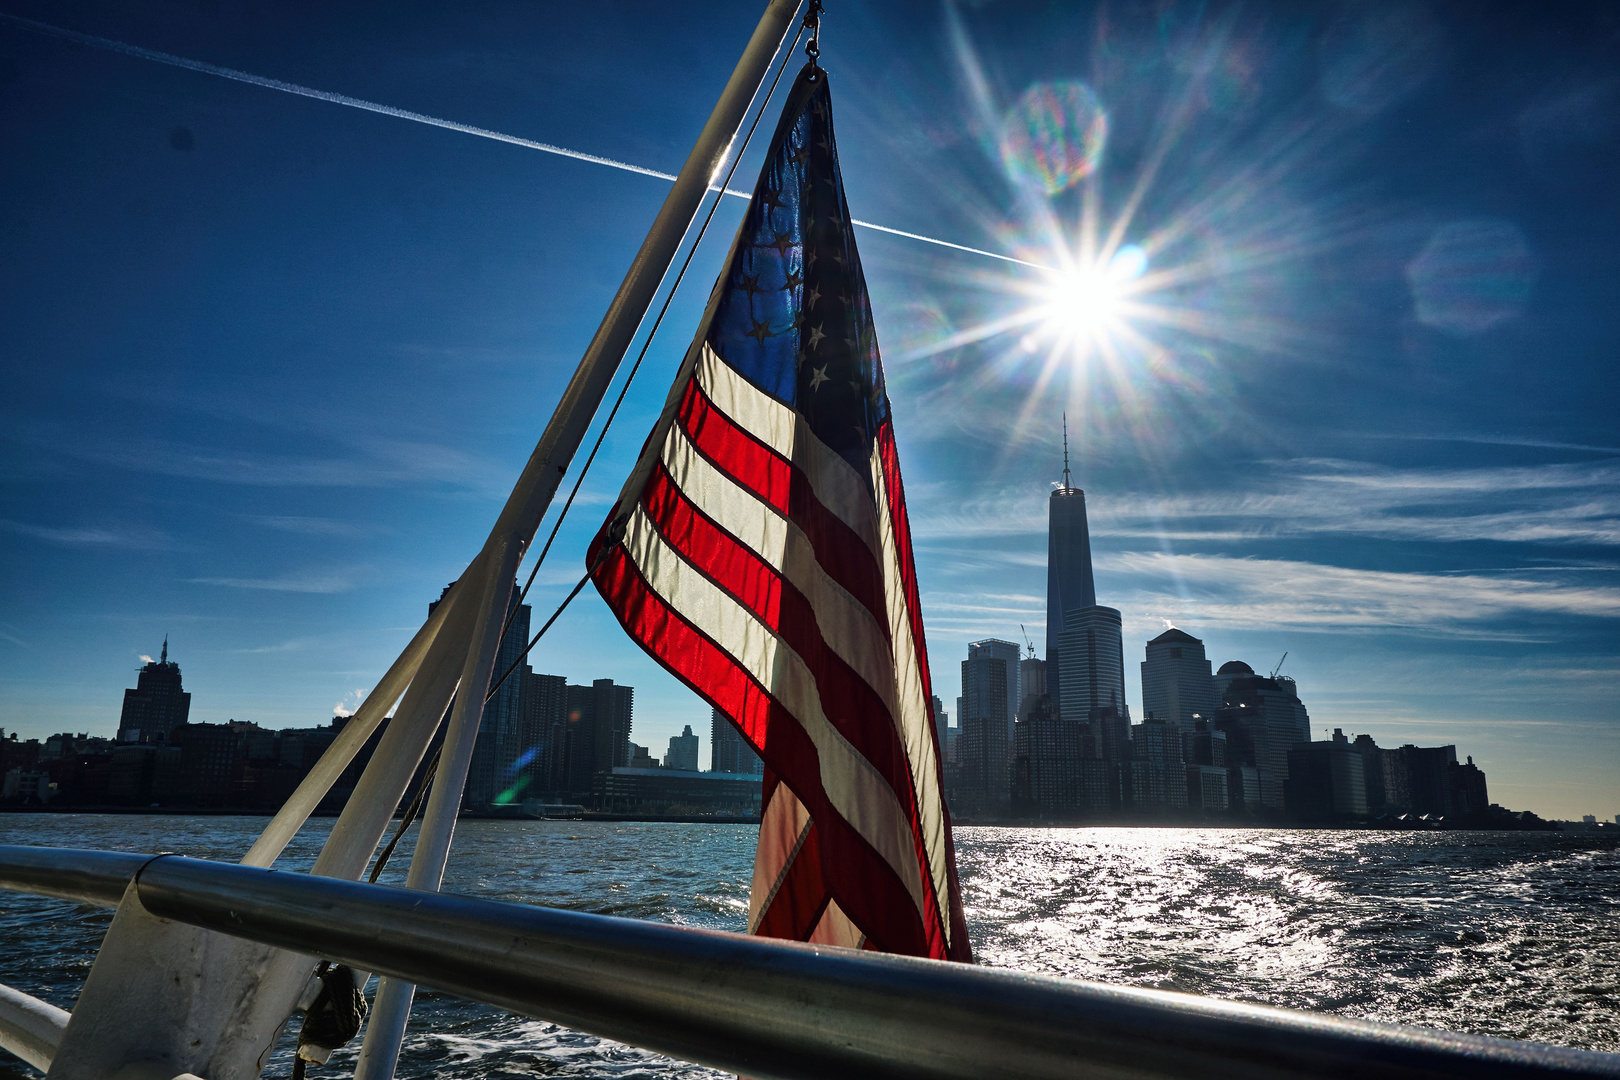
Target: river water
pixel 1511 934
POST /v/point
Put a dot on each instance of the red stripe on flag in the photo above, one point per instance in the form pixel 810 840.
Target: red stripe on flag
pixel 850 704
pixel 864 884
pixel 777 482
pixel 889 457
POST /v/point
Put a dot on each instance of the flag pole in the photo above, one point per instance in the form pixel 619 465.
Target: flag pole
pixel 525 508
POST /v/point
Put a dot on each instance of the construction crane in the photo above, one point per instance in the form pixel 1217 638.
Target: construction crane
pixel 1278 668
pixel 1028 643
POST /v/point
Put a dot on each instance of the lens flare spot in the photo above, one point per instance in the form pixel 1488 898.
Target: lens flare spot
pixel 513 793
pixel 1053 137
pixel 1129 263
pixel 1472 275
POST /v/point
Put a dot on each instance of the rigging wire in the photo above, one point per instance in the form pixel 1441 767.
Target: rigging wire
pixel 429 774
pixel 645 345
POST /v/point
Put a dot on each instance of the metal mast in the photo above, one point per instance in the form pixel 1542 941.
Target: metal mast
pixel 212 1005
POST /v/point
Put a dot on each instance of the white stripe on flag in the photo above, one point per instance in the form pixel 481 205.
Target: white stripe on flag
pixel 914 718
pixel 846 625
pixel 857 791
pixel 835 482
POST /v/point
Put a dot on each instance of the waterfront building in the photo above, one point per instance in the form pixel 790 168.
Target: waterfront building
pixel 1176 680
pixel 1428 778
pixel 501 725
pixel 1243 788
pixel 683 751
pixel 596 736
pixel 157 705
pixel 1092 669
pixel 1154 780
pixel 1263 719
pixel 988 704
pixel 729 752
pixel 1372 769
pixel 1467 784
pixel 674 792
pixel 1325 783
pixel 1206 789
pixel 545 722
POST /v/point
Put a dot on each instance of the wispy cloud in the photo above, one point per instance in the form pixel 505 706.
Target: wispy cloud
pixel 1247 594
pixel 311 526
pixel 288 646
pixel 329 581
pixel 139 538
pixel 372 463
pixel 1559 503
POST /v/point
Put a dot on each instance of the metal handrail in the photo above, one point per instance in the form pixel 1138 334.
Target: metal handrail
pixel 780 1010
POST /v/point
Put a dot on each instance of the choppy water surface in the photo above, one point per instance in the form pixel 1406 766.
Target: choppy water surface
pixel 1512 934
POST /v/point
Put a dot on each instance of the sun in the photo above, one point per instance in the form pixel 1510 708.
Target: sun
pixel 1088 304
pixel 1081 304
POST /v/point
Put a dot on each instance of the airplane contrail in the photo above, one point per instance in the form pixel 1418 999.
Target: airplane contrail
pixel 267 83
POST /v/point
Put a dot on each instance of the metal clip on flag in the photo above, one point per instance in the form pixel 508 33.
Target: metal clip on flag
pixel 761 552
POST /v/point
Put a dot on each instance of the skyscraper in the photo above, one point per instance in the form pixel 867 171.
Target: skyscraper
pixel 1263 719
pixel 1085 649
pixel 157 705
pixel 1176 681
pixel 729 752
pixel 1092 667
pixel 988 704
pixel 683 751
pixel 1069 583
pixel 501 725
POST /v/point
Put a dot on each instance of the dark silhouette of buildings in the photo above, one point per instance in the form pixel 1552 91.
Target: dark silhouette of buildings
pixel 729 752
pixel 157 705
pixel 1263 719
pixel 989 697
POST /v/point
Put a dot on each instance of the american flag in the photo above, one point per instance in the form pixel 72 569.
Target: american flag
pixel 761 552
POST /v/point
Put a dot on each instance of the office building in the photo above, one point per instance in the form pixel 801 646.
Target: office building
pixel 942 723
pixel 1206 789
pixel 1069 582
pixel 1326 784
pixel 1263 719
pixel 729 752
pixel 1468 794
pixel 1154 780
pixel 1176 680
pixel 683 751
pixel 1091 670
pixel 501 726
pixel 988 704
pixel 157 705
pixel 596 736
pixel 675 792
pixel 1031 685
pixel 545 721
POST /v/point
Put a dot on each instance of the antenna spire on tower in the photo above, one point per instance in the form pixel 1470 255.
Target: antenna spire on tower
pixel 165 658
pixel 1066 484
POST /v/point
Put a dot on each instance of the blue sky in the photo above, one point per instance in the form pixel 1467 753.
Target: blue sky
pixel 272 364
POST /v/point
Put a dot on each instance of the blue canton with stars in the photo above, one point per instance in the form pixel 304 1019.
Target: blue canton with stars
pixel 793 317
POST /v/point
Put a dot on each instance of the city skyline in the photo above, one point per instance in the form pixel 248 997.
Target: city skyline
pixel 274 363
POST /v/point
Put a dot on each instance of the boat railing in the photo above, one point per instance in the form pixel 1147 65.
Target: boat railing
pixel 758 1007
